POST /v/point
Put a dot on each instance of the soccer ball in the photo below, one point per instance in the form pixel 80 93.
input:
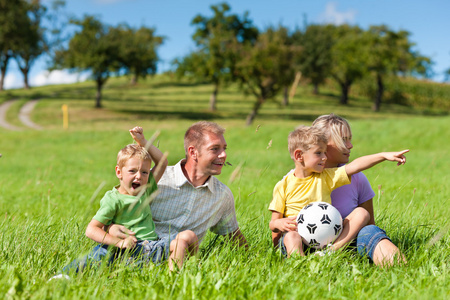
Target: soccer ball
pixel 319 224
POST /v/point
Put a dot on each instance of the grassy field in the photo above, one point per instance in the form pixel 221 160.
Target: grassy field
pixel 51 182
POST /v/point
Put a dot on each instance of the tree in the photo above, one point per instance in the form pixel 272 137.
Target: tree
pixel 348 58
pixel 214 38
pixel 390 53
pixel 31 42
pixel 13 17
pixel 137 52
pixel 91 49
pixel 266 67
pixel 315 61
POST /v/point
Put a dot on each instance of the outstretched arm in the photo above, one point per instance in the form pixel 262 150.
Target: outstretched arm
pixel 368 161
pixel 158 157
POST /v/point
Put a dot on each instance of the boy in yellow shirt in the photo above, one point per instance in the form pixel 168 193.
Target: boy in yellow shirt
pixel 311 182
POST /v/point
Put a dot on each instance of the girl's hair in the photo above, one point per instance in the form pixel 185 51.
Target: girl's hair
pixel 304 137
pixel 337 129
pixel 195 135
pixel 130 151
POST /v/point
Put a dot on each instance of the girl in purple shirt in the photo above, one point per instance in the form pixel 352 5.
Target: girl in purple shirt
pixel 371 240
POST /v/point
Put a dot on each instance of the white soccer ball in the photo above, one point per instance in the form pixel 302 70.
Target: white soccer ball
pixel 319 224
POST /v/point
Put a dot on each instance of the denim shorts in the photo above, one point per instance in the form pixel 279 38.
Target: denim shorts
pixel 144 252
pixel 368 238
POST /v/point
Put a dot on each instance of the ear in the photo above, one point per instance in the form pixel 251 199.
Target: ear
pixel 118 173
pixel 298 155
pixel 193 153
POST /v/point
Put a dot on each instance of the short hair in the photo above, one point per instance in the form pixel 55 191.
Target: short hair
pixel 195 135
pixel 130 151
pixel 335 127
pixel 304 137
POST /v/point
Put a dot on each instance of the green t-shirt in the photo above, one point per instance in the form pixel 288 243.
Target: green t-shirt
pixel 130 211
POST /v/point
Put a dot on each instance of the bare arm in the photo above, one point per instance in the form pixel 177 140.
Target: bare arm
pixel 368 205
pixel 158 157
pixel 365 162
pixel 280 224
pixel 95 232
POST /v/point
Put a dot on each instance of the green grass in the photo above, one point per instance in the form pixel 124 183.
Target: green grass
pixel 51 182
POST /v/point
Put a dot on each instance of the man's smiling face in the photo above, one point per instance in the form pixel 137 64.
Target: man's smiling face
pixel 212 154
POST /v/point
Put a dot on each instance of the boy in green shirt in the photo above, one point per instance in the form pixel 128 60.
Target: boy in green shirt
pixel 128 204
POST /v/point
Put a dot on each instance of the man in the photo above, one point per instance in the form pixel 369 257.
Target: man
pixel 190 197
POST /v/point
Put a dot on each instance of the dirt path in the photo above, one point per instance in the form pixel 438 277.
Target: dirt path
pixel 3 109
pixel 24 115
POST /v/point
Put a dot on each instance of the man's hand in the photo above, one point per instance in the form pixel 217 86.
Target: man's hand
pixel 120 231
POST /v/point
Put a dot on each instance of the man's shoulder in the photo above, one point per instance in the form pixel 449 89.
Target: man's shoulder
pixel 219 186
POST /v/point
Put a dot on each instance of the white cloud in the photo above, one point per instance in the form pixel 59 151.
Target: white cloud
pixel 331 15
pixel 14 80
pixel 57 77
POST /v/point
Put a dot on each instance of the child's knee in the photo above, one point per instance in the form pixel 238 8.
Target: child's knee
pixel 292 237
pixel 187 236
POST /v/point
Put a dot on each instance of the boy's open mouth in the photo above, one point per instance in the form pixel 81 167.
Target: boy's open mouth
pixel 135 185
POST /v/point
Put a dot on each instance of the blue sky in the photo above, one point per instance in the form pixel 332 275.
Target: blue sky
pixel 427 21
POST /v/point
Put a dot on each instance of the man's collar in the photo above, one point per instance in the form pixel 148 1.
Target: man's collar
pixel 180 178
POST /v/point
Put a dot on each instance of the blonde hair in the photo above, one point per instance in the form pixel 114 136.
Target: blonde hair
pixel 337 129
pixel 130 151
pixel 195 135
pixel 304 137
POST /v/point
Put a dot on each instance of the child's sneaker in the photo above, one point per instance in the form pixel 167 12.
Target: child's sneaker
pixel 327 251
pixel 60 276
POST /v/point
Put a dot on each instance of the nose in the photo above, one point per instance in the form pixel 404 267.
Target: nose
pixel 223 154
pixel 348 144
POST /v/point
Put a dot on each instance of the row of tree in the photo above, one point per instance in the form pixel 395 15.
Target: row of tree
pixel 264 63
pixel 229 48
pixel 101 49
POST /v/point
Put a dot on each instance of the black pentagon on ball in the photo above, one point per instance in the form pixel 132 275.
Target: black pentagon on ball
pixel 300 219
pixel 313 242
pixel 311 228
pixel 325 219
pixel 323 206
pixel 337 228
pixel 308 206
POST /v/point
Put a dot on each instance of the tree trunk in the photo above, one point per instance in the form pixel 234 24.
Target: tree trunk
pixel 251 116
pixel 285 96
pixel 379 96
pixel 134 79
pixel 4 65
pixel 213 98
pixel 25 72
pixel 345 89
pixel 98 97
pixel 316 89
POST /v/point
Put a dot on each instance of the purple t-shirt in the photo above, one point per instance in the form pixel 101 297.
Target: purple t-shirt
pixel 346 198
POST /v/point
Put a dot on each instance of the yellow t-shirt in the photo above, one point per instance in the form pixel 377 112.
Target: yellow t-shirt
pixel 291 194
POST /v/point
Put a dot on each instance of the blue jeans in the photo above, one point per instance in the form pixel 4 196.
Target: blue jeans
pixel 368 238
pixel 144 252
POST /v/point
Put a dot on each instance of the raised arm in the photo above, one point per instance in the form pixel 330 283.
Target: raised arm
pixel 368 161
pixel 158 157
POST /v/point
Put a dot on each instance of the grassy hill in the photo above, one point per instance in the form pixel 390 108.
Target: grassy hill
pixel 51 182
